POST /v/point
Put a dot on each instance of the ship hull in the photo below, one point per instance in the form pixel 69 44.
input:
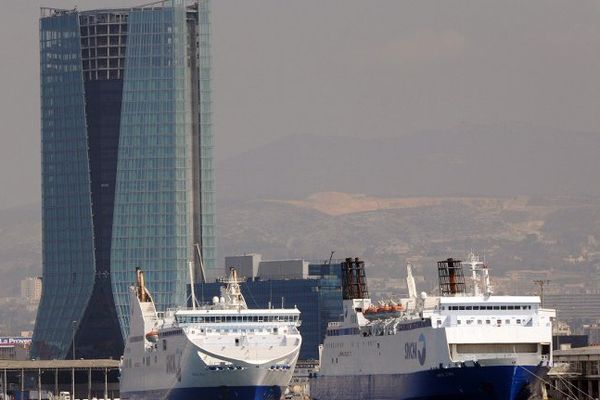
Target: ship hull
pixel 206 393
pixel 467 383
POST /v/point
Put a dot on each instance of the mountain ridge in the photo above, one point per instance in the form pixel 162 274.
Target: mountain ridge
pixel 494 161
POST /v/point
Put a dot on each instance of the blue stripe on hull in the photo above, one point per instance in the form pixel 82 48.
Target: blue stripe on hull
pixel 468 383
pixel 209 393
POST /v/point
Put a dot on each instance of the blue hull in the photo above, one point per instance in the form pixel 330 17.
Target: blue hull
pixel 468 383
pixel 209 393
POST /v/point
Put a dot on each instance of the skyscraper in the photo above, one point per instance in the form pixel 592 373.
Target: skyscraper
pixel 127 174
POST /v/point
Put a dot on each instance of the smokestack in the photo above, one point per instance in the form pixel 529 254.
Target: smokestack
pixel 451 277
pixel 354 280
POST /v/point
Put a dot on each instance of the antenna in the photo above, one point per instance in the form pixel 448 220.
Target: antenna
pixel 541 283
pixel 330 257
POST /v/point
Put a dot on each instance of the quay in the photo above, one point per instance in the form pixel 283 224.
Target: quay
pixel 81 378
pixel 576 373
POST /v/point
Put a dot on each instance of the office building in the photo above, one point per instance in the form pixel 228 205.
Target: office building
pixel 127 169
pixel 31 290
pixel 318 296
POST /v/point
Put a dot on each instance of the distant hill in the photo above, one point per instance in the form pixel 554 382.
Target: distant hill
pixel 558 236
pixel 470 161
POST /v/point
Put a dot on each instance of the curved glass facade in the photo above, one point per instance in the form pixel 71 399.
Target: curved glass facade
pixel 127 167
pixel 152 226
pixel 67 229
pixel 206 178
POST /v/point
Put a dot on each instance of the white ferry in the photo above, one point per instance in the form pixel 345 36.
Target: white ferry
pixel 458 345
pixel 221 351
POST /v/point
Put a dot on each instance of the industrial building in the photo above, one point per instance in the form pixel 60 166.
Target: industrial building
pixel 127 167
pixel 576 373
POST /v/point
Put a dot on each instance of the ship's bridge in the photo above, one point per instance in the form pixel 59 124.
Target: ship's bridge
pixel 493 326
pixel 488 311
pixel 489 303
pixel 234 316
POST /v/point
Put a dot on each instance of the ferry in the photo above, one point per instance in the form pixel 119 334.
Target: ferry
pixel 219 351
pixel 461 344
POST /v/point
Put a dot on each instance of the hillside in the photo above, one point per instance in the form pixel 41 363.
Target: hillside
pixel 523 238
pixel 496 161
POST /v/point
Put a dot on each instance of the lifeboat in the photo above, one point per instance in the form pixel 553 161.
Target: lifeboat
pixel 152 336
pixel 383 311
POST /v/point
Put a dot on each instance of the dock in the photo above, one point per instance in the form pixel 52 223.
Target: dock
pixel 81 378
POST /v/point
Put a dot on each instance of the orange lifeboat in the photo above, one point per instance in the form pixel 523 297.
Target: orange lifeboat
pixel 152 336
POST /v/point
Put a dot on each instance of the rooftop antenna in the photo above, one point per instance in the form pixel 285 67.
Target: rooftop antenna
pixel 541 283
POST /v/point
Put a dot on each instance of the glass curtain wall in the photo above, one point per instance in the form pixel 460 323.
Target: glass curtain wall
pixel 67 231
pixel 207 172
pixel 152 226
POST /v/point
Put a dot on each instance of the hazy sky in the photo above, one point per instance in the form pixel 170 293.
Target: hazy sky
pixel 347 67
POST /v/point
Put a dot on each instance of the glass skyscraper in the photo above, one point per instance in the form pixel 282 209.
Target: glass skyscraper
pixel 127 168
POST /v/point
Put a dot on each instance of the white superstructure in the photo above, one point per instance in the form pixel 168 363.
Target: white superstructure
pixel 224 349
pixel 459 345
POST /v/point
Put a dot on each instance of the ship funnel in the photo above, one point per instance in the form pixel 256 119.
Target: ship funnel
pixel 354 280
pixel 451 277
